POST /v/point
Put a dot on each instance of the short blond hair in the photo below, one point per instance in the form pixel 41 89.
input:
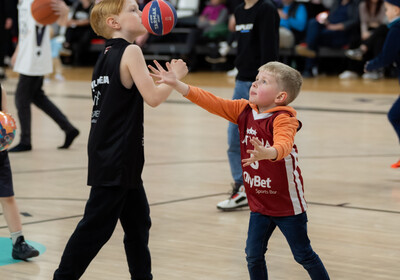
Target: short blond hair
pixel 99 14
pixel 288 78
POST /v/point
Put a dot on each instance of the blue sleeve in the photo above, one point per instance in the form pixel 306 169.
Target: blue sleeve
pixel 300 20
pixel 390 51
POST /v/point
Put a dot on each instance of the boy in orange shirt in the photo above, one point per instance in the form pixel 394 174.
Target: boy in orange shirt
pixel 271 174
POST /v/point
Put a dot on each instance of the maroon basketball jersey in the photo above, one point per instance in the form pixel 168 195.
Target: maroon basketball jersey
pixel 273 188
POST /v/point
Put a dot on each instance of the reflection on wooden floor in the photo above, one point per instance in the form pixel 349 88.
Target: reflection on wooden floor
pixel 346 147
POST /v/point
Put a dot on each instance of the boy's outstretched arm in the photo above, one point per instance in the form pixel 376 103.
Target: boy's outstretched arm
pixel 226 108
pixel 168 77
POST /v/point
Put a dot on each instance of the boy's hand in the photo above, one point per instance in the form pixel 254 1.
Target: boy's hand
pixel 259 153
pixel 59 7
pixel 179 67
pixel 164 77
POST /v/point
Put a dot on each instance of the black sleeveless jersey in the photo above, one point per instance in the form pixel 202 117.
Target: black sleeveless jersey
pixel 115 148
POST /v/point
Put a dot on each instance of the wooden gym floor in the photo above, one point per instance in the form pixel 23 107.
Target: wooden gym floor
pixel 346 147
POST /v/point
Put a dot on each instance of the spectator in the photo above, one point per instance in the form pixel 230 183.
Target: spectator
pixel 335 32
pixel 213 27
pixel 373 33
pixel 257 33
pixel 79 33
pixel 293 23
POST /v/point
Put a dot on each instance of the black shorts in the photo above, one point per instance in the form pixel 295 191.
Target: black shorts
pixel 6 185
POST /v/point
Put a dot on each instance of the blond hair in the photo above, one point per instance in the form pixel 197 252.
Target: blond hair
pixel 99 14
pixel 287 78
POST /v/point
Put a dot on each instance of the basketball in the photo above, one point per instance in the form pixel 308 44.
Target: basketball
pixel 42 12
pixel 7 130
pixel 159 17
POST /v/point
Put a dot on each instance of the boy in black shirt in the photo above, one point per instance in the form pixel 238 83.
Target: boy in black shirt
pixel 121 82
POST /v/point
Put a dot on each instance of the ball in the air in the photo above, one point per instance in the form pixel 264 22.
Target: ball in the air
pixel 159 17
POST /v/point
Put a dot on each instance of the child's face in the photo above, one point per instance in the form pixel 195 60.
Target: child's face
pixel 392 11
pixel 130 20
pixel 263 91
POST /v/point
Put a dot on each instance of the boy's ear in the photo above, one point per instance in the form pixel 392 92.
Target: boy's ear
pixel 112 22
pixel 281 97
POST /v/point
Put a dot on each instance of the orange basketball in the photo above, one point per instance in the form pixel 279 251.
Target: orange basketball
pixel 42 12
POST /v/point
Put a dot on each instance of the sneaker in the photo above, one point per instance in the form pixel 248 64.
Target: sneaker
pixel 22 250
pixel 69 138
pixel 20 148
pixel 396 165
pixel 355 54
pixel 232 73
pixel 59 77
pixel 314 71
pixel 238 199
pixel 215 60
pixel 224 48
pixel 348 75
pixel 65 52
pixel 303 50
pixel 375 75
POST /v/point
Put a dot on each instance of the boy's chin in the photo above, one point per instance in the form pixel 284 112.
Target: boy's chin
pixel 253 100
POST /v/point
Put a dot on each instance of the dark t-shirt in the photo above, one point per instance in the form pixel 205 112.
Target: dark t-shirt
pixel 257 33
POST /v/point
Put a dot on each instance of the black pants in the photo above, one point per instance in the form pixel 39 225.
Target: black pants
pixel 29 90
pixel 375 42
pixel 103 209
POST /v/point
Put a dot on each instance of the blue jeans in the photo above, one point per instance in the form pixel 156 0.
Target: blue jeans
pixel 241 90
pixel 394 116
pixel 294 228
pixel 317 35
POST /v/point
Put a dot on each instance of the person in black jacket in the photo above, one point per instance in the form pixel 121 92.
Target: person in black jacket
pixel 334 31
pixel 257 35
